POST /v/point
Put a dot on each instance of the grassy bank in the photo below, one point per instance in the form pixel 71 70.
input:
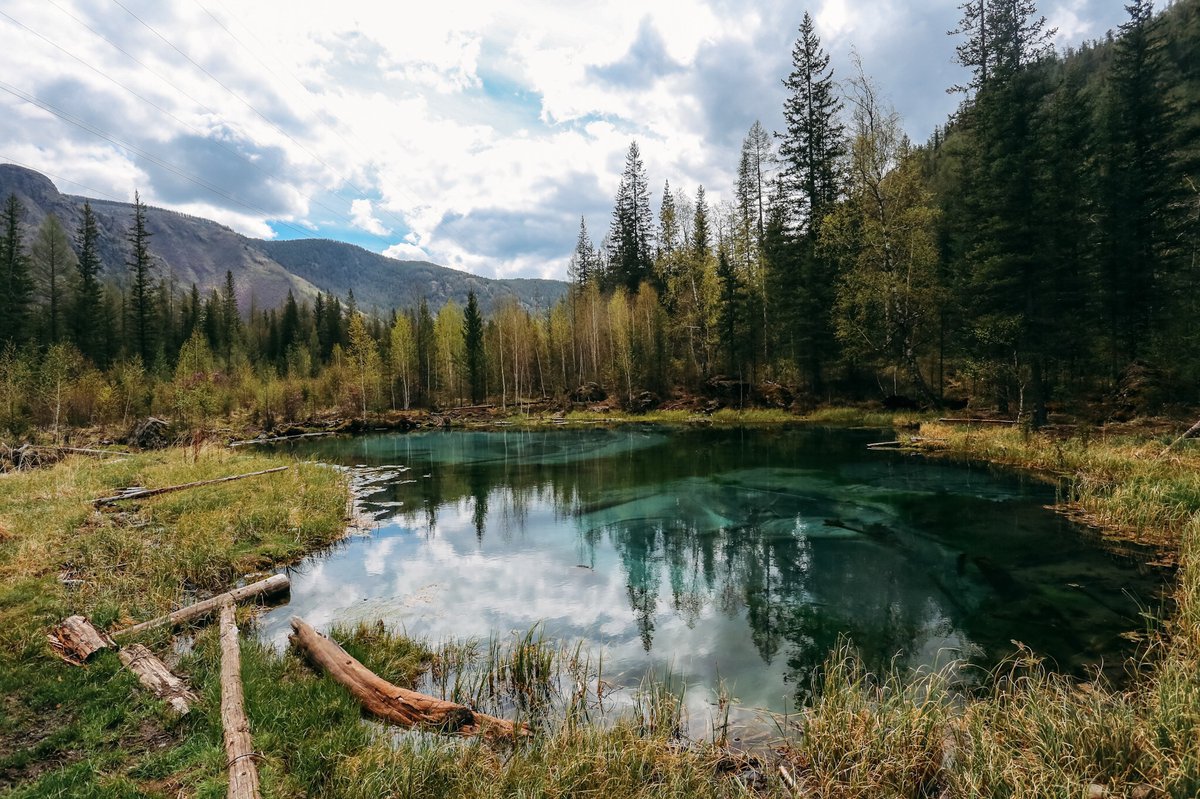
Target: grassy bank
pixel 92 731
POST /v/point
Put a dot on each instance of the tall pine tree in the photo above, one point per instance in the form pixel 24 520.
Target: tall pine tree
pixel 141 286
pixel 88 304
pixel 630 257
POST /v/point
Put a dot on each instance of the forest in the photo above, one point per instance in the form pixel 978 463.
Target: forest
pixel 1038 252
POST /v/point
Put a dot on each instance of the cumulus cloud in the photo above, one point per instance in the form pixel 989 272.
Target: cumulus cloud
pixel 406 251
pixel 363 217
pixel 472 134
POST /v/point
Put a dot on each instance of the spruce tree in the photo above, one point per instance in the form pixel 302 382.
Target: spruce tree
pixel 630 257
pixel 52 257
pixel 583 266
pixel 813 145
pixel 1137 187
pixel 88 306
pixel 811 154
pixel 141 287
pixel 16 287
pixel 473 340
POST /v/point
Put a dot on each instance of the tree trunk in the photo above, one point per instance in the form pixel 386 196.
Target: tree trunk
pixel 390 702
pixel 154 674
pixel 274 584
pixel 239 751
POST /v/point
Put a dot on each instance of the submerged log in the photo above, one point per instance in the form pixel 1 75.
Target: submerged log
pixel 75 640
pixel 390 702
pixel 239 751
pixel 274 584
pixel 139 493
pixel 273 439
pixel 154 674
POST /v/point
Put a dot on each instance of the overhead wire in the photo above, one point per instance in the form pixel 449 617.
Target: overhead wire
pixel 306 92
pixel 164 164
pixel 103 194
pixel 203 134
pixel 244 101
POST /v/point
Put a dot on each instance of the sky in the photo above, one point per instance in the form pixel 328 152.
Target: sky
pixel 472 134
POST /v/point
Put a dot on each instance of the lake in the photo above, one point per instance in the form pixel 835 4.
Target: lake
pixel 740 556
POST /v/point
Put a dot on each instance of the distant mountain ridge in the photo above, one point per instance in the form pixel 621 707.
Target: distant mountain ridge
pixel 190 249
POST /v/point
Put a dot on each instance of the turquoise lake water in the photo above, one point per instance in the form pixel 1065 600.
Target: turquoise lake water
pixel 733 555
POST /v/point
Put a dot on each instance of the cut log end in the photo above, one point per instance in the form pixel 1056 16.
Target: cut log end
pixel 75 640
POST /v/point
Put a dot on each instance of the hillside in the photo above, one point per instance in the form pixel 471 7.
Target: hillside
pixel 190 250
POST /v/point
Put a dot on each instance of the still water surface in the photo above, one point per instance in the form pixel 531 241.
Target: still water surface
pixel 739 555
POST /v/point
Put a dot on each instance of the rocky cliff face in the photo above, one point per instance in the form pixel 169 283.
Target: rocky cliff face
pixel 189 250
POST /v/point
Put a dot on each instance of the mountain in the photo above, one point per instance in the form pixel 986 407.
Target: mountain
pixel 385 283
pixel 189 249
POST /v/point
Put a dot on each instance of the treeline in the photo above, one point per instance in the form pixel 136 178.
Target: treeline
pixel 1041 247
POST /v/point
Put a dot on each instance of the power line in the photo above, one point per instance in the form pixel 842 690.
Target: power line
pixel 242 100
pixel 308 97
pixel 103 194
pixel 167 165
pixel 203 134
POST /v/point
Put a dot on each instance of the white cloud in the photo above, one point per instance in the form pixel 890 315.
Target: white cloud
pixel 373 117
pixel 363 217
pixel 406 252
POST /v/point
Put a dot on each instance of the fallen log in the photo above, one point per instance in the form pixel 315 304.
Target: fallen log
pixel 976 421
pixel 239 751
pixel 390 702
pixel 154 674
pixel 1192 432
pixel 274 584
pixel 152 492
pixel 75 640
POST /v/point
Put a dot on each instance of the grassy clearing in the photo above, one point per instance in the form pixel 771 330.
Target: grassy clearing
pixel 68 731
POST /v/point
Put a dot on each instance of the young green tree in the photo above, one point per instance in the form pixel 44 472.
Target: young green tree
pixel 402 352
pixel 885 237
pixel 473 348
pixel 16 286
pixel 364 357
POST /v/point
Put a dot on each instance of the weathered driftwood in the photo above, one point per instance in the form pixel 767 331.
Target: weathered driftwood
pixel 239 751
pixel 139 493
pixel 274 584
pixel 389 702
pixel 154 674
pixel 1192 432
pixel 75 639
